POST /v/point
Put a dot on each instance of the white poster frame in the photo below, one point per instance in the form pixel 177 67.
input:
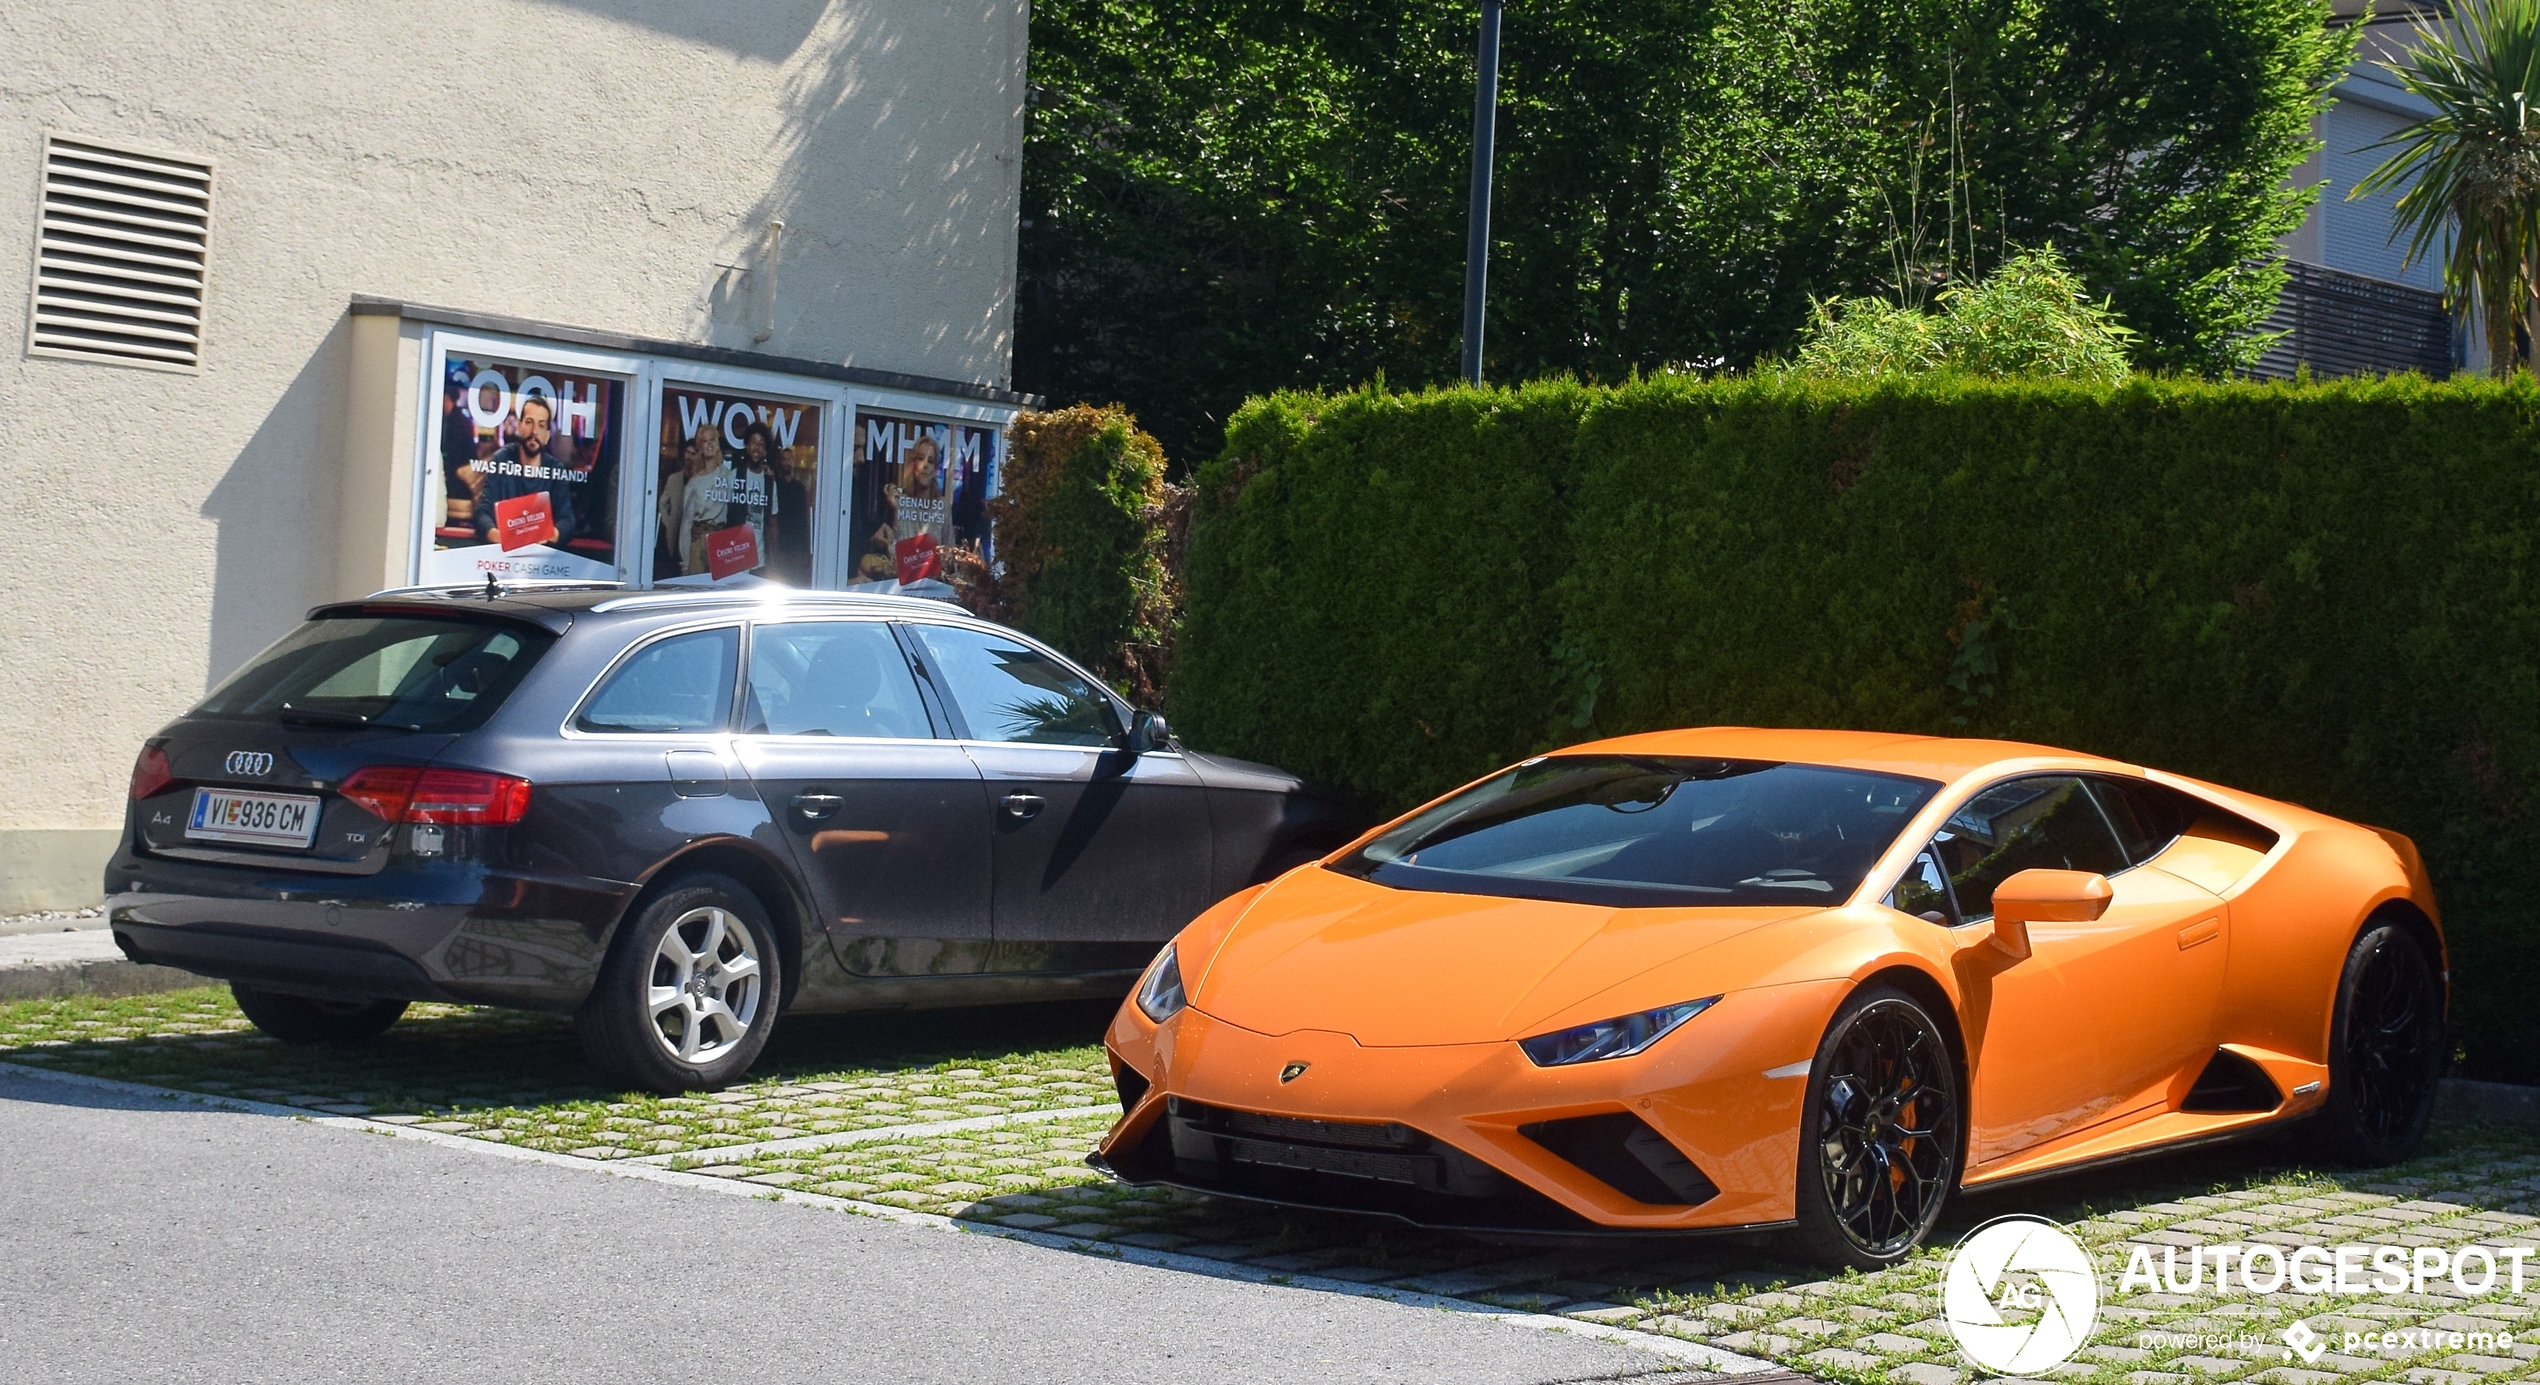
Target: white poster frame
pixel 910 403
pixel 644 375
pixel 830 395
pixel 440 343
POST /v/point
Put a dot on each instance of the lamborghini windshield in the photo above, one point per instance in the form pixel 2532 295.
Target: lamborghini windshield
pixel 1647 830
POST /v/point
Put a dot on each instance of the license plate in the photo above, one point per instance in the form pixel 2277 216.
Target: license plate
pixel 259 819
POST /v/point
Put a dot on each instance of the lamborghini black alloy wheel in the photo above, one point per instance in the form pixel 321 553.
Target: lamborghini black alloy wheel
pixel 1887 1127
pixel 2389 1046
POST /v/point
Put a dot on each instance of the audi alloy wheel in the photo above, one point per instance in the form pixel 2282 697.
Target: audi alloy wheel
pixel 689 992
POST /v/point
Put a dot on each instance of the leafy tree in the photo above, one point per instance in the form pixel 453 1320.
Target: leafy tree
pixel 2150 140
pixel 2469 175
pixel 1225 197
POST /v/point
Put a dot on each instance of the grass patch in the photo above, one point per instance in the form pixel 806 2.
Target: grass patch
pixel 519 1078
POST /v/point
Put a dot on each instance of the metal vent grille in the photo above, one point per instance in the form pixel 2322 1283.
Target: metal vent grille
pixel 121 251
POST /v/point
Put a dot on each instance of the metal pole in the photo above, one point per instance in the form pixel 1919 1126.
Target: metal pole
pixel 1477 218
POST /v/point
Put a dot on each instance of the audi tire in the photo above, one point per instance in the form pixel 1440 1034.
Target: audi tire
pixel 300 1019
pixel 688 994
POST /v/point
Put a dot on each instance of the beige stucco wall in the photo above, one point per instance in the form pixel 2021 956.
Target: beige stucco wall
pixel 596 163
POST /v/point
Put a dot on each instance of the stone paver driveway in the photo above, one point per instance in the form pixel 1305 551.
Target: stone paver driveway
pixel 987 1117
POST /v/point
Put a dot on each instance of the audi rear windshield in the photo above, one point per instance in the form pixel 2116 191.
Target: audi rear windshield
pixel 400 673
pixel 1643 831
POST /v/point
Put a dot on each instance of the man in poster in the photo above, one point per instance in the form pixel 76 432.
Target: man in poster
pixel 524 467
pixel 754 491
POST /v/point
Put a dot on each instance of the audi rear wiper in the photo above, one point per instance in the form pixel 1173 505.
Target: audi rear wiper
pixel 320 716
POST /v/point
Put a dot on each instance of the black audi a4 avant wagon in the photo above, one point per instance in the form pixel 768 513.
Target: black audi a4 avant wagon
pixel 676 815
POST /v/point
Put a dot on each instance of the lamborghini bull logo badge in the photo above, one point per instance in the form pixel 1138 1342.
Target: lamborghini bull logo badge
pixel 1292 1072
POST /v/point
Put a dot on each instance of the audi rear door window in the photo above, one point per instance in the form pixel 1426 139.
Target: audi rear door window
pixel 679 684
pixel 1012 692
pixel 832 678
pixel 406 673
pixel 1651 830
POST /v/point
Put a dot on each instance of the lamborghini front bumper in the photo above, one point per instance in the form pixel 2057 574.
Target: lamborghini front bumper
pixel 1691 1136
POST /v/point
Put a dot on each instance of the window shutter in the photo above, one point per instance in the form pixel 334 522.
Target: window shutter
pixel 121 251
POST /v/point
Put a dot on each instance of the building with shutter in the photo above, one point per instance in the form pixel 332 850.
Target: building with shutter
pixel 328 297
pixel 2354 303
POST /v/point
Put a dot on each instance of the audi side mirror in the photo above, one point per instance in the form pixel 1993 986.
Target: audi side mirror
pixel 2045 896
pixel 1148 732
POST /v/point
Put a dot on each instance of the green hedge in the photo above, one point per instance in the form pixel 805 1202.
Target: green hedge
pixel 2319 593
pixel 1080 549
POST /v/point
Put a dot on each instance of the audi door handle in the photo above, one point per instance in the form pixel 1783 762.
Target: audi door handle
pixel 818 805
pixel 1023 806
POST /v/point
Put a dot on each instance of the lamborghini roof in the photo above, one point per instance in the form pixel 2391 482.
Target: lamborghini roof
pixel 1927 757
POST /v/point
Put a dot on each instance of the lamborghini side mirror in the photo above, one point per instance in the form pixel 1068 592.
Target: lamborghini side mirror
pixel 2045 896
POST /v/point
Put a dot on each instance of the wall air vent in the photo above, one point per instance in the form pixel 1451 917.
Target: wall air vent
pixel 121 250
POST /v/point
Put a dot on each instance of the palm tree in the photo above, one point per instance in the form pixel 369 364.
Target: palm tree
pixel 2470 172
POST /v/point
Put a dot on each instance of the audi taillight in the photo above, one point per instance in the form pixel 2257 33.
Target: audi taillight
pixel 150 772
pixel 468 797
pixel 456 797
pixel 382 790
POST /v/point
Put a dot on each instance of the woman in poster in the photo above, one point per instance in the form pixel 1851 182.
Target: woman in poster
pixel 918 502
pixel 705 499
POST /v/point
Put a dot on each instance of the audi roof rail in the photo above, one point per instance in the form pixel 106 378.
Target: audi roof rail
pixel 770 595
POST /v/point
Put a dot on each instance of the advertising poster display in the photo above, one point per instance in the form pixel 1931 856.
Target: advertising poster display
pixel 921 489
pixel 523 481
pixel 739 477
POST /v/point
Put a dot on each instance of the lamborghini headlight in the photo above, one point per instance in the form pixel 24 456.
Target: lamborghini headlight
pixel 1160 995
pixel 1614 1038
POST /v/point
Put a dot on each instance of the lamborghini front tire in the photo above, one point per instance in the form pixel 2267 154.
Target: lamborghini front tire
pixel 1880 1133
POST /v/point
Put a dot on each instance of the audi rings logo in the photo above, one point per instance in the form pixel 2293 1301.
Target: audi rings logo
pixel 2020 1295
pixel 248 764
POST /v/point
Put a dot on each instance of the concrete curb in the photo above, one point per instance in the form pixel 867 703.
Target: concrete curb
pixel 2486 1103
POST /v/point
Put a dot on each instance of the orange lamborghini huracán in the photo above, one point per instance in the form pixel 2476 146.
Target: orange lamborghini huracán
pixel 1799 980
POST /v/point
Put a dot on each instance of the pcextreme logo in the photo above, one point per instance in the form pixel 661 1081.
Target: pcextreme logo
pixel 2020 1295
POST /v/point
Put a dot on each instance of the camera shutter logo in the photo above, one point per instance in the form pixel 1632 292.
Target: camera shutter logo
pixel 249 764
pixel 2055 1277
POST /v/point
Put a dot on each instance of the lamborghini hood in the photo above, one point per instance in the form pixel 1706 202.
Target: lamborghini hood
pixel 1398 968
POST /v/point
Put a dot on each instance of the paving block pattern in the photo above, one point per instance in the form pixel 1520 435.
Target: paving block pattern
pixel 953 1115
pixel 519 1078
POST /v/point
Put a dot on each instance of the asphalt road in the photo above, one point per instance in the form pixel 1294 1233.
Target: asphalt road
pixel 149 1240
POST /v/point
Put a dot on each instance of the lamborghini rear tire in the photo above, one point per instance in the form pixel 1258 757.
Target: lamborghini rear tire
pixel 2386 1049
pixel 1879 1138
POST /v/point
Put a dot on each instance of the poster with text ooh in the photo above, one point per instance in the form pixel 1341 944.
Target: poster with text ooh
pixel 735 467
pixel 921 497
pixel 523 481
